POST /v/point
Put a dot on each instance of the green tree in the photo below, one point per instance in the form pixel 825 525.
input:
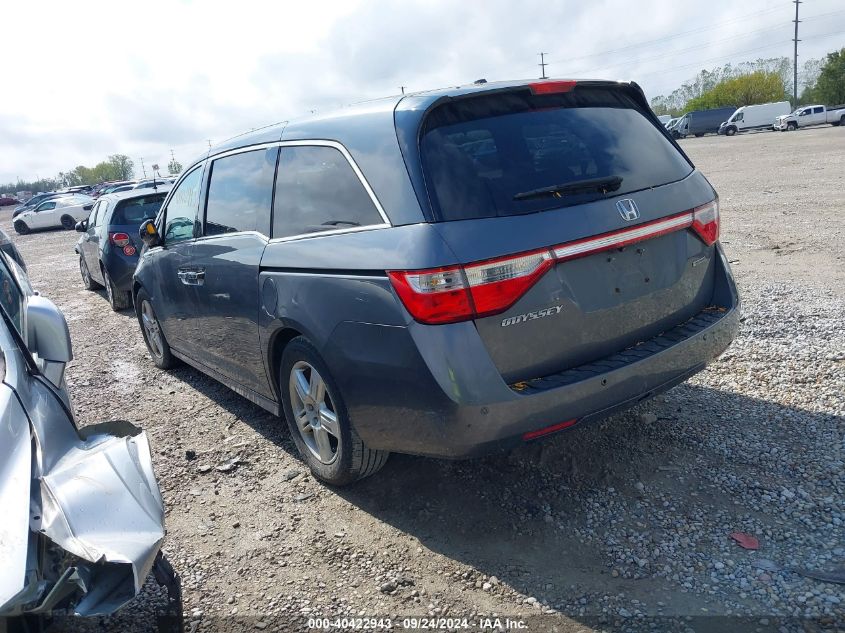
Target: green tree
pixel 174 167
pixel 124 168
pixel 830 86
pixel 756 87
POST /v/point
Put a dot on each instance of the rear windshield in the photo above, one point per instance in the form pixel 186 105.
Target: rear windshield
pixel 515 153
pixel 136 210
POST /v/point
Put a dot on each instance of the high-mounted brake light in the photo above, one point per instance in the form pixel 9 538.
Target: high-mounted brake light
pixel 706 222
pixel 119 239
pixel 551 87
pixel 460 293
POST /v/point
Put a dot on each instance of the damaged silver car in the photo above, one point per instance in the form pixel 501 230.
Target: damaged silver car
pixel 82 517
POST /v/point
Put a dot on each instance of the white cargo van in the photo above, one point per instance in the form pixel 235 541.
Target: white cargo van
pixel 754 117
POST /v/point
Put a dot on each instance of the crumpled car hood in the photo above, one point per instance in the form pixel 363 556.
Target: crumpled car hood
pixel 82 516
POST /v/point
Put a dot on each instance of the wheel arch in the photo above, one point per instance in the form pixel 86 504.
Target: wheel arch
pixel 279 340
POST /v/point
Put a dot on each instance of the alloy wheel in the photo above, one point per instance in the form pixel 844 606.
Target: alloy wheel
pixel 314 412
pixel 152 329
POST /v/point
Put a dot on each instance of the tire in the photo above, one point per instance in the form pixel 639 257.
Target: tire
pixel 730 131
pixel 87 279
pixel 151 331
pixel 791 127
pixel 118 299
pixel 21 228
pixel 337 457
pixel 68 223
pixel 699 135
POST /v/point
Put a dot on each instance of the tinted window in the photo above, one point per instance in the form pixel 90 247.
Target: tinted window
pixel 136 210
pixel 11 297
pixel 317 190
pixel 181 212
pixel 240 192
pixel 818 110
pixel 482 156
pixel 92 219
pixel 46 206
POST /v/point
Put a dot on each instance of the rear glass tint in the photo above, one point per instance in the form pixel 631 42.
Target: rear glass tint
pixel 136 210
pixel 480 154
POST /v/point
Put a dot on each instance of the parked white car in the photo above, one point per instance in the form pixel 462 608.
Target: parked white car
pixel 806 116
pixel 56 212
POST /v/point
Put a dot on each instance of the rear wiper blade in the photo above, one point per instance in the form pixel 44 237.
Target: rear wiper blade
pixel 602 185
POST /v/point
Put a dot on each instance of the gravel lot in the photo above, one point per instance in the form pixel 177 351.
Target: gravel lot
pixel 622 525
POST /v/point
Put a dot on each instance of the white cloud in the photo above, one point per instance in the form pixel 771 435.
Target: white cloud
pixel 141 78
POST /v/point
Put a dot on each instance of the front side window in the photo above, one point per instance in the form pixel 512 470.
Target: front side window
pixel 92 219
pixel 101 214
pixel 11 298
pixel 181 213
pixel 47 206
pixel 317 190
pixel 240 192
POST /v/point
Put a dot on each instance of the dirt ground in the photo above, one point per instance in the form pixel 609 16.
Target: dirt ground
pixel 620 525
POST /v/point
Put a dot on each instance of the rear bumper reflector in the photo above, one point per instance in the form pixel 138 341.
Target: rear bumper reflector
pixel 533 435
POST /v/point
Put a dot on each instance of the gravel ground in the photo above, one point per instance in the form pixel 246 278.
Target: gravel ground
pixel 622 525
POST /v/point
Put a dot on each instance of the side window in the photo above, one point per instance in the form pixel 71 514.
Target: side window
pixel 317 190
pixel 47 206
pixel 181 212
pixel 240 193
pixel 804 112
pixel 818 110
pixel 92 219
pixel 101 214
pixel 11 298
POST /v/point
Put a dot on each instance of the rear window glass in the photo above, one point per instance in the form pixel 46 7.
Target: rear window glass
pixel 240 193
pixel 136 210
pixel 317 190
pixel 515 153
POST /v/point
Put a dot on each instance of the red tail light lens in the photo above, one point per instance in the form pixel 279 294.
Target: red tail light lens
pixel 706 222
pixel 439 295
pixel 551 87
pixel 497 284
pixel 460 293
pixel 119 239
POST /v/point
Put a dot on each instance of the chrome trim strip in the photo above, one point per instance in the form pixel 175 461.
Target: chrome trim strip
pixel 635 233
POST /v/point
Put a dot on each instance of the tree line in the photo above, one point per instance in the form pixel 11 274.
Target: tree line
pixel 760 81
pixel 115 167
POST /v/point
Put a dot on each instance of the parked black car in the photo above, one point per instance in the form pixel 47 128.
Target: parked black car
pixel 442 273
pixel 109 245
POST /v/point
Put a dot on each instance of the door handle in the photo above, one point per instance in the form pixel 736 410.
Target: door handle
pixel 191 276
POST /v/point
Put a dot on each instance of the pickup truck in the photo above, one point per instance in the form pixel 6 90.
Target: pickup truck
pixel 806 116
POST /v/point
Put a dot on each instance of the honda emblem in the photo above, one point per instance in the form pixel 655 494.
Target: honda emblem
pixel 628 209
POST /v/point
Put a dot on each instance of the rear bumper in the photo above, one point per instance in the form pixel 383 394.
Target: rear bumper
pixel 120 268
pixel 432 390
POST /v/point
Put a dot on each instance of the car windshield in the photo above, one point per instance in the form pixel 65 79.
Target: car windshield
pixel 488 156
pixel 136 210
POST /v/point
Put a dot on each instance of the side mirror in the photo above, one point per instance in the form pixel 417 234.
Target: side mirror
pixel 48 338
pixel 81 226
pixel 149 233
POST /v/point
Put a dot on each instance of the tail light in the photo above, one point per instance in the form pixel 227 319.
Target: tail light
pixel 119 239
pixel 705 222
pixel 551 87
pixel 460 293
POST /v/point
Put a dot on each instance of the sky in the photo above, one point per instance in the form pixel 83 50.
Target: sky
pixel 82 80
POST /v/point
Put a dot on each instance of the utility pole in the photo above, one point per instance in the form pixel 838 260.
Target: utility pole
pixel 172 157
pixel 543 64
pixel 144 169
pixel 795 58
pixel 402 88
